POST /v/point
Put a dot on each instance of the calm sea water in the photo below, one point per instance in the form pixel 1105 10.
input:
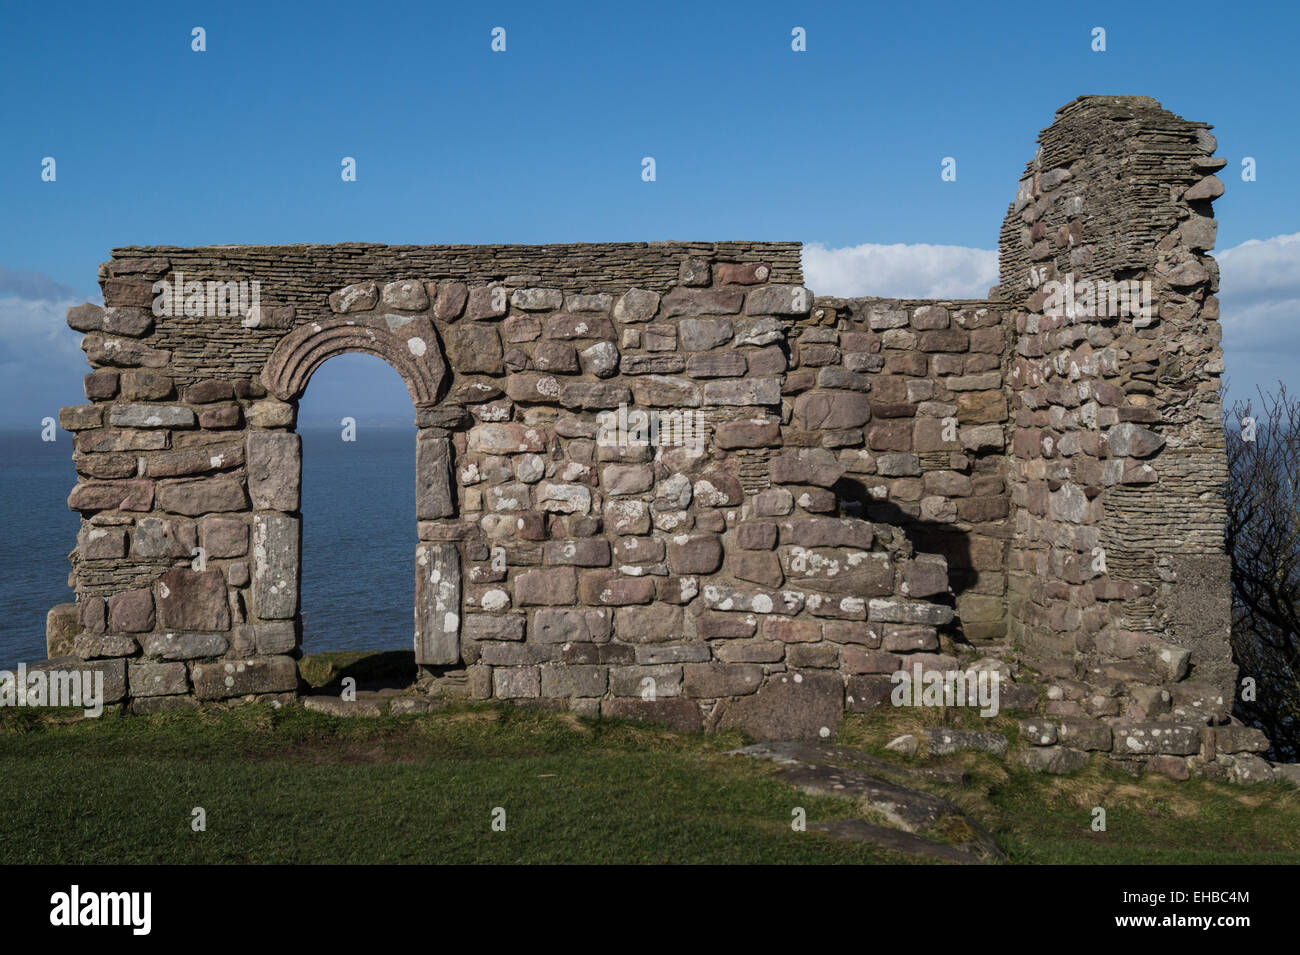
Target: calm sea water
pixel 358 539
pixel 39 531
pixel 358 567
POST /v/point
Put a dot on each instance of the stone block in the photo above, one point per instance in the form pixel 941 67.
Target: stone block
pixel 832 410
pixel 779 300
pixel 679 714
pixel 146 386
pixel 742 392
pixel 475 349
pixel 572 626
pixel 703 334
pixel 1239 739
pixel 225 679
pixel 1056 760
pixel 799 705
pixel 623 479
pixel 506 438
pixel 222 537
pixel 434 487
pixel 355 298
pixel 656 623
pixel 101 543
pixel 276 636
pixel 1079 732
pixel 517 683
pixel 112 672
pixel 405 294
pixel 276 548
pixel 756 535
pixel 1170 739
pixel 212 495
pixel 574 681
pixel 716 680
pixel 61 626
pixel 694 553
pixel 274 470
pixel 91 646
pixel 151 416
pixel 449 301
pixel 438 604
pixel 192 600
pixel 133 611
pixel 636 305
pixel 759 567
pixel 550 586
pixel 495 626
pixel 486 301
pixel 137 496
pixel 157 679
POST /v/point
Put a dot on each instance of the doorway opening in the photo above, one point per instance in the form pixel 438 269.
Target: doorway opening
pixel 359 530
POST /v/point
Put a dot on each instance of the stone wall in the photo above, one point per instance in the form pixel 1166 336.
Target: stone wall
pixel 861 484
pixel 932 459
pixel 556 559
pixel 1117 571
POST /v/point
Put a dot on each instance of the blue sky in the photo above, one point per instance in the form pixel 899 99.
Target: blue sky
pixel 839 145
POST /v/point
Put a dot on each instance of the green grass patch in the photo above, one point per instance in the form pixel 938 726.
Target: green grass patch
pixel 1150 820
pixel 289 785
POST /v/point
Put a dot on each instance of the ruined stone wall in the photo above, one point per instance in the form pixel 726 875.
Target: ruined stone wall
pixel 857 484
pixel 677 579
pixel 1117 572
pixel 932 460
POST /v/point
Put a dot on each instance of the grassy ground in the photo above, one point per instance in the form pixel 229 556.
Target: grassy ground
pixel 296 786
pixel 1150 820
pixel 290 785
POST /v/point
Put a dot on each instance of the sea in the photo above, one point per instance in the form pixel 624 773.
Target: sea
pixel 359 539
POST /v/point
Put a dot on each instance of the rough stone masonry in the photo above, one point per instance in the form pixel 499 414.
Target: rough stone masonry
pixel 876 483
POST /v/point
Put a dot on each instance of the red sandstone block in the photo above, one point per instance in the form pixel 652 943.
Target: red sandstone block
pixel 852 631
pixel 108 495
pixel 608 589
pixel 792 630
pixel 893 435
pixel 746 273
pixel 856 659
pixel 549 586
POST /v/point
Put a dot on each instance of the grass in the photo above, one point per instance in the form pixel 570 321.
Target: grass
pixel 289 785
pixel 296 786
pixel 1149 820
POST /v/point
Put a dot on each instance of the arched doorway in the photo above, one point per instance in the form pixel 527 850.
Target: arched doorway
pixel 358 453
pixel 411 348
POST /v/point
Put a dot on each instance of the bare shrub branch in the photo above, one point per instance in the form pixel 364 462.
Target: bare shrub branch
pixel 1263 544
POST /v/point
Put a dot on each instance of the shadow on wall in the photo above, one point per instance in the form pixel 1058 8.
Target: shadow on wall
pixel 924 537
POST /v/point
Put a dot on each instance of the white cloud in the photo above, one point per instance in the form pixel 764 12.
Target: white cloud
pixel 41 362
pixel 31 328
pixel 1259 293
pixel 900 271
pixel 1259 304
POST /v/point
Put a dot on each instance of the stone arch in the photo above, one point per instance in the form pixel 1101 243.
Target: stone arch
pixel 411 348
